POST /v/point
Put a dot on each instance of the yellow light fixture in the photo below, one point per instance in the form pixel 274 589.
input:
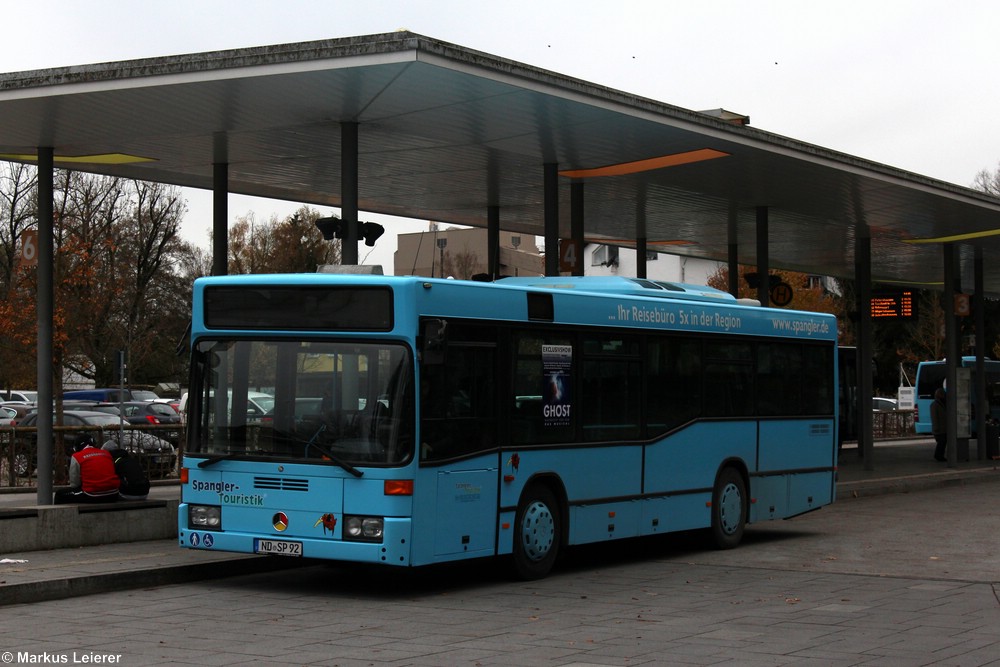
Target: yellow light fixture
pixel 632 242
pixel 911 283
pixel 101 158
pixel 648 164
pixel 956 237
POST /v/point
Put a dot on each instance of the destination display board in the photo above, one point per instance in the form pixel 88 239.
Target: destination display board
pixel 894 304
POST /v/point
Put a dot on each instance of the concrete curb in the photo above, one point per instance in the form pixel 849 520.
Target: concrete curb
pixel 886 485
pixel 126 579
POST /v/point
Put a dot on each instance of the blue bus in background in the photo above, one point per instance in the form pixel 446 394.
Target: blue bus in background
pixel 419 421
pixel 931 375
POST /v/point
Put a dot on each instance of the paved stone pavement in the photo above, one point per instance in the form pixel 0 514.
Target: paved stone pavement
pixel 899 579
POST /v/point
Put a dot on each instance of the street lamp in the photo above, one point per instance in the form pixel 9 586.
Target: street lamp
pixel 441 243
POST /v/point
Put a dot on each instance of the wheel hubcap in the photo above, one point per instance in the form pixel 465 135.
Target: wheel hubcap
pixel 730 505
pixel 538 531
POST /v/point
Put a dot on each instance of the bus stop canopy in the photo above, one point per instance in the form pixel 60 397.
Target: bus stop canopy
pixel 446 132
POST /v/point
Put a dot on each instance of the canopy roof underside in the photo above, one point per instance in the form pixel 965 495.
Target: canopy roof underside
pixel 446 132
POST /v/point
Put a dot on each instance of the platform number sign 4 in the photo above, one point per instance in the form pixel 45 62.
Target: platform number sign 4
pixel 569 252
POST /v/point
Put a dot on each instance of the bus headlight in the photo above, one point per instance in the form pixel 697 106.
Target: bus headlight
pixel 363 528
pixel 207 517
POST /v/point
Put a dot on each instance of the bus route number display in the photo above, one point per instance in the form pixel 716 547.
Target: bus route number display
pixel 894 304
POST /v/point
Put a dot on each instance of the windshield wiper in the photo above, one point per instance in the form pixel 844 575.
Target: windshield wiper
pixel 212 460
pixel 328 454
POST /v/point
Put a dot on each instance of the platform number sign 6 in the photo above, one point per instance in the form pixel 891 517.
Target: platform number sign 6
pixel 29 247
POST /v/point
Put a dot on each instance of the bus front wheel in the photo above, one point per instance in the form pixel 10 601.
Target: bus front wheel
pixel 729 509
pixel 537 536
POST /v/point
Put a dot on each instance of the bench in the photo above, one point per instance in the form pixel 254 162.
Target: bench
pixel 44 527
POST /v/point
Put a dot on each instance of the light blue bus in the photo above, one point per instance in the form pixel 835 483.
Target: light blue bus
pixel 931 376
pixel 419 421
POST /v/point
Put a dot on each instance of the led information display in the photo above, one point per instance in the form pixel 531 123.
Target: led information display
pixel 895 304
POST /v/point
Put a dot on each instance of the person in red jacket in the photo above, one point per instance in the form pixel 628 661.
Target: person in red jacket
pixel 92 477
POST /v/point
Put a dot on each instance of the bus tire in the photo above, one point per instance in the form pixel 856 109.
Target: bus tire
pixel 537 533
pixel 729 509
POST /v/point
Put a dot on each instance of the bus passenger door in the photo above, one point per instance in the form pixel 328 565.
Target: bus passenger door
pixel 466 509
pixel 458 436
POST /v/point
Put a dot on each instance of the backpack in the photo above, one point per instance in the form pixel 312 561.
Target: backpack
pixel 132 475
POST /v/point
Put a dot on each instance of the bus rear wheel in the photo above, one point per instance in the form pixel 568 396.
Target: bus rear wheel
pixel 537 533
pixel 729 509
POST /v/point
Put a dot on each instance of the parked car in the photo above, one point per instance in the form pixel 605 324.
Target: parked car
pixel 880 404
pixel 19 396
pixel 106 395
pixel 158 456
pixel 156 453
pixel 12 413
pixel 93 406
pixel 26 445
pixel 258 405
pixel 144 395
pixel 151 412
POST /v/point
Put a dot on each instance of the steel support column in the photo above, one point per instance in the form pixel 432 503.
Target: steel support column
pixel 220 219
pixel 863 280
pixel 978 312
pixel 576 222
pixel 951 352
pixel 734 265
pixel 45 305
pixel 640 233
pixel 349 192
pixel 493 241
pixel 551 183
pixel 640 257
pixel 763 266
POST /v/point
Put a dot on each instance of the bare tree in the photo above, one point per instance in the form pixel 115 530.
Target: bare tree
pixel 462 265
pixel 18 210
pixel 292 245
pixel 988 181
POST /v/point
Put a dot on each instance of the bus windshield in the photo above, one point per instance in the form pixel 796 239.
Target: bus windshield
pixel 319 401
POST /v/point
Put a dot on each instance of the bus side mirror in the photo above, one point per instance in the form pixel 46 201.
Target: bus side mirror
pixel 434 340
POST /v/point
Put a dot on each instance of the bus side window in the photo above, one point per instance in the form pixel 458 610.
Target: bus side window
pixel 673 370
pixel 728 380
pixel 458 403
pixel 528 421
pixel 779 379
pixel 611 388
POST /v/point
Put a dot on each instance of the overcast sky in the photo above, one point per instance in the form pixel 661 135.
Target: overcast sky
pixel 908 83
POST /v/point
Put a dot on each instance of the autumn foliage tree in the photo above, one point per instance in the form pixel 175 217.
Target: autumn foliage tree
pixel 806 295
pixel 289 245
pixel 116 281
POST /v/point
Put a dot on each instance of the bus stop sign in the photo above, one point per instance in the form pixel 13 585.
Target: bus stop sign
pixel 780 294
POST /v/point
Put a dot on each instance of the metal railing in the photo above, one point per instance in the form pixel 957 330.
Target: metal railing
pixel 894 424
pixel 19 450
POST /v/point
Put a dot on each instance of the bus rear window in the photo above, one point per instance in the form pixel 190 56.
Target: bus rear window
pixel 299 307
